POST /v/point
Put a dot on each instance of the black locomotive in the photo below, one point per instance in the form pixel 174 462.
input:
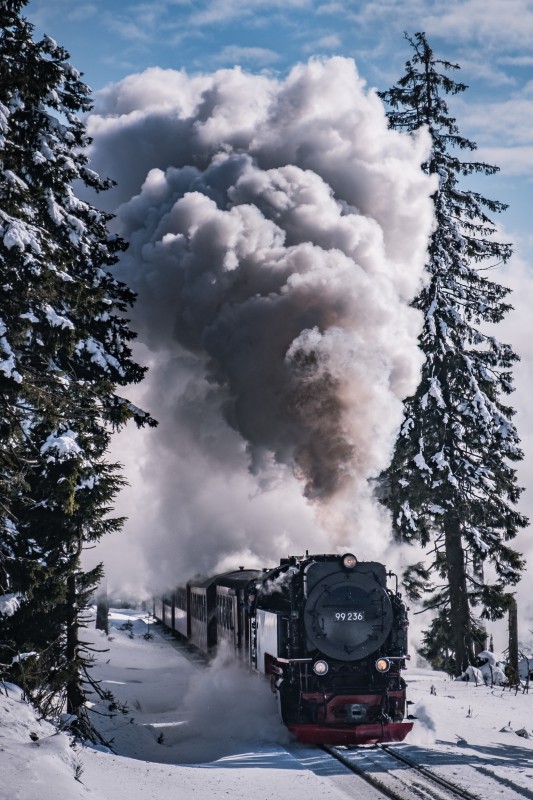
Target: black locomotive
pixel 326 630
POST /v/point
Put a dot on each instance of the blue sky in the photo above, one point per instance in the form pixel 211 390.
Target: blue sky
pixel 492 40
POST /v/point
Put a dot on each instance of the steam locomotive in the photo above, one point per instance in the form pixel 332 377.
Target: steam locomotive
pixel 325 629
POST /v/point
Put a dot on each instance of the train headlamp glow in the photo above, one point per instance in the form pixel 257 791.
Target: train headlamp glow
pixel 383 665
pixel 349 561
pixel 320 667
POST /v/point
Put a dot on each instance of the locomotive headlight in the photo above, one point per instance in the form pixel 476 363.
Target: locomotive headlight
pixel 383 665
pixel 349 561
pixel 320 667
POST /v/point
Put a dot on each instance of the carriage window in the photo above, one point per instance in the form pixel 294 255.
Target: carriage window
pixel 181 598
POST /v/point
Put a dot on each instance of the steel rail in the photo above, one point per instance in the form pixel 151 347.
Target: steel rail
pixel 374 782
pixel 451 787
pixel 438 782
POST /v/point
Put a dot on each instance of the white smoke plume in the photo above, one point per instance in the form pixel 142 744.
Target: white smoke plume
pixel 278 232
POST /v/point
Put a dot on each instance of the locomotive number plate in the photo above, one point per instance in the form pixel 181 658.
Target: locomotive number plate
pixel 349 616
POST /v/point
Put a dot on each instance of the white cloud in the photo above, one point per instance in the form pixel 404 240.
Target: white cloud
pixel 327 42
pixel 490 22
pixel 493 24
pixel 506 123
pixel 331 8
pixel 512 161
pixel 233 54
pixel 516 61
pixel 129 29
pixel 331 40
pixel 488 71
pixel 222 11
pixel 82 12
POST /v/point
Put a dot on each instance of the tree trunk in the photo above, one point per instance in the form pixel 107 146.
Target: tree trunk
pixel 75 698
pixel 102 609
pixel 513 641
pixel 461 636
pixel 480 640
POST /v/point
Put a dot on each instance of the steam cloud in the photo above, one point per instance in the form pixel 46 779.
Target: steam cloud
pixel 277 232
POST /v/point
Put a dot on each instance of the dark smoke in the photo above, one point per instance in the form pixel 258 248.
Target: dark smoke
pixel 278 233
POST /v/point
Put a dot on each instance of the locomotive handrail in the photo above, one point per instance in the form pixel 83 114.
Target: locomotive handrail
pixel 293 660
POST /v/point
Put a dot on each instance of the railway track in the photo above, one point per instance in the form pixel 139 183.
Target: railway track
pixel 493 785
pixel 396 776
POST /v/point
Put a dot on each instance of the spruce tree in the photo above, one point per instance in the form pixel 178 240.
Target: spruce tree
pixel 451 485
pixel 64 349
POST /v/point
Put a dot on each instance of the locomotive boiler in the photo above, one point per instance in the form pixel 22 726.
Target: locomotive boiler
pixel 325 629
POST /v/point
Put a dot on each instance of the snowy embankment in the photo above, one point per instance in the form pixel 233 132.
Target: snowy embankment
pixel 196 733
pixel 36 762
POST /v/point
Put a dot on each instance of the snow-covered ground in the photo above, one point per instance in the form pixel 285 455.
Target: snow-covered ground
pixel 192 732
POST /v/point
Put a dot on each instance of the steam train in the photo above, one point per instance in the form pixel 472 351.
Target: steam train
pixel 325 629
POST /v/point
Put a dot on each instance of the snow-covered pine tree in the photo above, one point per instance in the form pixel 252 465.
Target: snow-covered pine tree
pixel 64 349
pixel 451 484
